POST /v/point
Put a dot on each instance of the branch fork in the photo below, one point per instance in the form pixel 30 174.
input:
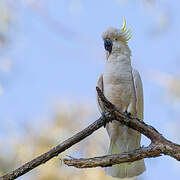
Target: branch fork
pixel 158 146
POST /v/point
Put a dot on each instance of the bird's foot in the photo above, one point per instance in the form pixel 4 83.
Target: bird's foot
pixel 107 118
pixel 128 114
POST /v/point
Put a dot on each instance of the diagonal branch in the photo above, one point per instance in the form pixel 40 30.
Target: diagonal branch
pixel 159 145
pixel 54 151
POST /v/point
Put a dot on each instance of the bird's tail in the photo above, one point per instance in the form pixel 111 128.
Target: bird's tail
pixel 124 170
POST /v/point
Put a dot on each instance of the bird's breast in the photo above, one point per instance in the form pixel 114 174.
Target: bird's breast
pixel 117 73
pixel 117 80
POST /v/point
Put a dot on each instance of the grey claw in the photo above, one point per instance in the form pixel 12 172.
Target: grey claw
pixel 127 113
pixel 106 116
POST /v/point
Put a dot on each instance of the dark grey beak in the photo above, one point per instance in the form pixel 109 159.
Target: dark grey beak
pixel 108 45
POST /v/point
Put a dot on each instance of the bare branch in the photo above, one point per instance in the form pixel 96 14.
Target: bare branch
pixel 54 151
pixel 159 145
pixel 109 160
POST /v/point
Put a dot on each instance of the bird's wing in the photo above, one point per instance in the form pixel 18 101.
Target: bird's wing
pixel 139 94
pixel 101 87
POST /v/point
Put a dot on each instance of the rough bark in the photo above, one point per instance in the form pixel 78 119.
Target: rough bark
pixel 159 145
pixel 54 151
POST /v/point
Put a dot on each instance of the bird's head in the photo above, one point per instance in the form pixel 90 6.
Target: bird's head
pixel 115 40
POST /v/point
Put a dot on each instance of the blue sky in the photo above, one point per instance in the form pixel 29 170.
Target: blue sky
pixel 57 54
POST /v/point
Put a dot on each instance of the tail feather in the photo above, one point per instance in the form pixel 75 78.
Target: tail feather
pixel 124 170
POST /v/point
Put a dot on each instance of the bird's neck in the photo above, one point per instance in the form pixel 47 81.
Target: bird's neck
pixel 119 58
pixel 119 54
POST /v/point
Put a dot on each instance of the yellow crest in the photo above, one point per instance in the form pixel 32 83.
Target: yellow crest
pixel 128 33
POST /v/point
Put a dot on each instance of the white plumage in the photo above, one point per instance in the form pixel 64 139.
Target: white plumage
pixel 122 86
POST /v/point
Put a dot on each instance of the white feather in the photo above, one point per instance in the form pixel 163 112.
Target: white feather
pixel 123 87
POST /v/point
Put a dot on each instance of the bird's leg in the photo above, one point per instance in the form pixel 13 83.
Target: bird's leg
pixel 103 114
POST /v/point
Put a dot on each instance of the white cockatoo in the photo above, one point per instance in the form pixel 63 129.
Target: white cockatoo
pixel 122 86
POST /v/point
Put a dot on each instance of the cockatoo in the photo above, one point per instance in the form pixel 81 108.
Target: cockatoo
pixel 122 86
